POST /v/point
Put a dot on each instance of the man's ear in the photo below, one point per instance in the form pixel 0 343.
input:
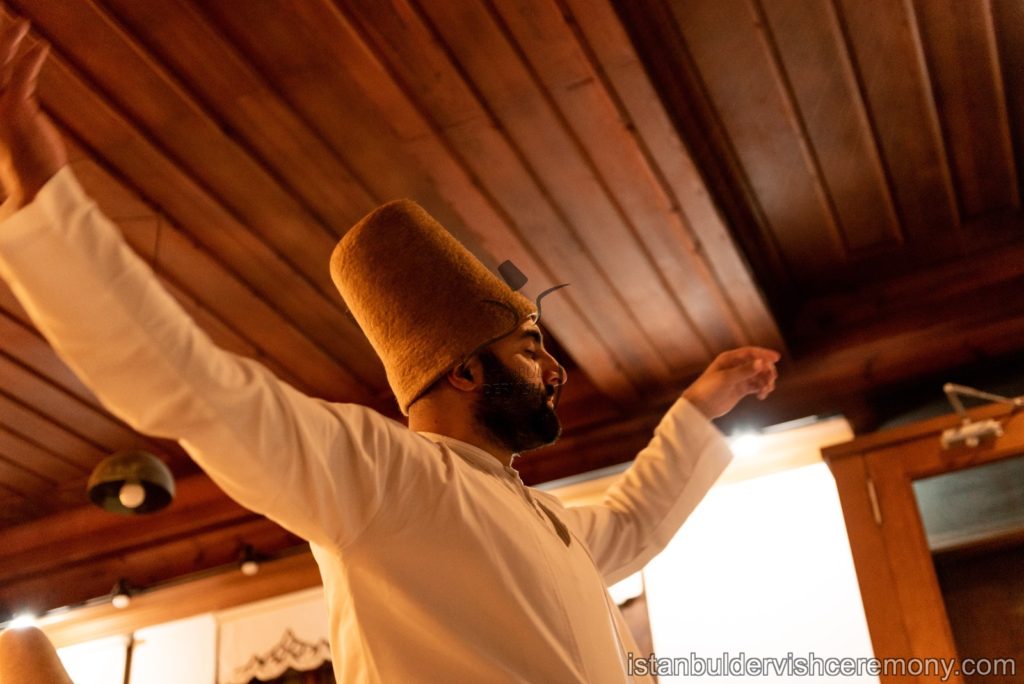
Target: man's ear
pixel 467 376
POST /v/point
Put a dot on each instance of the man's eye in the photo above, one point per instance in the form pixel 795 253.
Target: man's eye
pixel 532 354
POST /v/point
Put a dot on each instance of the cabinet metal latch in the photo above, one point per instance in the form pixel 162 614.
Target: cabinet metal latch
pixel 876 511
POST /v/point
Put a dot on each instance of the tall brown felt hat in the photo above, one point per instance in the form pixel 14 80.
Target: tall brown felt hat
pixel 422 299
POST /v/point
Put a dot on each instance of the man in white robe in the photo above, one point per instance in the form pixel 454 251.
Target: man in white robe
pixel 439 565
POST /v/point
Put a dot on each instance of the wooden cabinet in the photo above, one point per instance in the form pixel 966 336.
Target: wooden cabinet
pixel 938 542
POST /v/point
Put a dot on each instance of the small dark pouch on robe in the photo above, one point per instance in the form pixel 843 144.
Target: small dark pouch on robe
pixel 563 531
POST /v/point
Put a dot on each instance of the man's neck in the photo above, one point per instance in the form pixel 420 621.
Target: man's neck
pixel 463 434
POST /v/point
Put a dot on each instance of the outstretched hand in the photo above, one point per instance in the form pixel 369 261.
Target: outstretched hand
pixel 730 377
pixel 31 149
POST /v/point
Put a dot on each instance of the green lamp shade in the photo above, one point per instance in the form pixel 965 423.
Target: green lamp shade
pixel 131 483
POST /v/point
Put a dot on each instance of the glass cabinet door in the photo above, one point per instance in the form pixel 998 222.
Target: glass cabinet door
pixel 974 523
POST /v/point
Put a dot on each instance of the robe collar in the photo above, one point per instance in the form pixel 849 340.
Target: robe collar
pixel 474 455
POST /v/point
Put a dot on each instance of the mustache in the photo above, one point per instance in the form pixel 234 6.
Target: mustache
pixel 511 388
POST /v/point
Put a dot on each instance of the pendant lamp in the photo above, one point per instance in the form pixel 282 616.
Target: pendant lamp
pixel 131 483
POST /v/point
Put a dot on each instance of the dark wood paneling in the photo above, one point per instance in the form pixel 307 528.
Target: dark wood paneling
pixel 492 143
pixel 808 42
pixel 524 98
pixel 885 48
pixel 201 529
pixel 407 157
pixel 1008 20
pixel 734 54
pixel 691 218
pixel 959 45
pixel 187 205
pixel 589 108
pixel 678 162
pixel 248 106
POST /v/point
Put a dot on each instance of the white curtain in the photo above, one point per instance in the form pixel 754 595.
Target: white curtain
pixel 762 567
pixel 266 638
pixel 175 652
pixel 95 662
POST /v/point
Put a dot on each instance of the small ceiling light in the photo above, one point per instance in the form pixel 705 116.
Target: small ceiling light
pixel 23 620
pixel 130 483
pixel 120 595
pixel 249 563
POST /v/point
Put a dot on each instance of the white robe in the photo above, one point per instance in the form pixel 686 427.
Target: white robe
pixel 438 563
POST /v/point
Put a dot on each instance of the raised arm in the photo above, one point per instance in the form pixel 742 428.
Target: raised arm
pixel 317 468
pixel 31 150
pixel 646 505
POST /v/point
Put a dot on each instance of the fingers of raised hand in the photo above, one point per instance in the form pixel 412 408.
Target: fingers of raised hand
pixel 26 68
pixel 10 38
pixel 742 355
pixel 764 380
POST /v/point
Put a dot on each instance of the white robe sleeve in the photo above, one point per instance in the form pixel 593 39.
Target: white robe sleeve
pixel 642 510
pixel 317 468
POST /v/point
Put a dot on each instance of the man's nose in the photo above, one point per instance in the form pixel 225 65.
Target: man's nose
pixel 554 372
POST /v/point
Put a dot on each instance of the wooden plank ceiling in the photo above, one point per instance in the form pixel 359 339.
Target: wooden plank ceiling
pixel 832 178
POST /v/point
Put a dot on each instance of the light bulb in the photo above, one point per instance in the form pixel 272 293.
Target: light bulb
pixel 132 494
pixel 23 620
pixel 745 444
pixel 121 601
pixel 250 568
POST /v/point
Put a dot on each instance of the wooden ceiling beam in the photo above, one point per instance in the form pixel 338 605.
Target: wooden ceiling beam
pixel 250 108
pixel 98 126
pixel 879 309
pixel 463 202
pixel 828 109
pixel 656 37
pixel 903 114
pixel 38 393
pixel 25 346
pixel 1009 40
pixel 693 216
pixel 550 132
pixel 219 591
pixel 115 61
pixel 200 530
pixel 959 46
pixel 21 450
pixel 527 166
pixel 88 531
pixel 23 343
pixel 199 550
pixel 23 420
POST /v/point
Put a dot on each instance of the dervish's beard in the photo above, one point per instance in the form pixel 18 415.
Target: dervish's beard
pixel 514 412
